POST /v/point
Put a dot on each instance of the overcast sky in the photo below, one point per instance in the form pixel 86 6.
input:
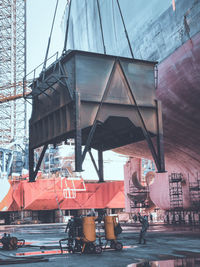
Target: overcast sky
pixel 39 20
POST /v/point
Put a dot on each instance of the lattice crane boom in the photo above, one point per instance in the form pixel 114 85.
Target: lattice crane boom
pixel 9 98
pixel 5 97
pixel 12 71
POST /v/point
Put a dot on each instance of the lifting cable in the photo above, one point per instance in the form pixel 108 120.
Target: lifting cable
pixel 101 27
pixel 129 44
pixel 104 48
pixel 67 28
pixel 49 41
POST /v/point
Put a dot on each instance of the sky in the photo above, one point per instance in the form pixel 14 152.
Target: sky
pixel 39 20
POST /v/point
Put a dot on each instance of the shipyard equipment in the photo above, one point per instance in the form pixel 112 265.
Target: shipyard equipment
pixel 139 194
pixel 194 189
pixel 176 191
pixel 112 230
pixel 11 242
pixel 176 198
pixel 101 101
pixel 82 236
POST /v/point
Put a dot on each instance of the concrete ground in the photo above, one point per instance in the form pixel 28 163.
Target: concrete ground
pixel 164 243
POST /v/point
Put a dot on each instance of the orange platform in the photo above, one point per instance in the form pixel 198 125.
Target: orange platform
pixel 49 194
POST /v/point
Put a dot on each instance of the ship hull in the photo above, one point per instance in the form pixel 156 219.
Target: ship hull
pixel 170 36
pixel 178 89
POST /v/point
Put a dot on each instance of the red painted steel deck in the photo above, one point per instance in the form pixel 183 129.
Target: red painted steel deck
pixel 47 194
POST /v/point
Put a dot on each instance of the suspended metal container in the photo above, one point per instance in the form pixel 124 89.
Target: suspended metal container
pixel 101 101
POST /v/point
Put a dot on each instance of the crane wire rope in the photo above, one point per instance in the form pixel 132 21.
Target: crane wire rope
pixel 101 27
pixel 67 28
pixel 127 37
pixel 99 12
pixel 49 41
pixel 113 19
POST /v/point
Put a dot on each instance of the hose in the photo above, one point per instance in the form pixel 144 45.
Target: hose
pixel 27 260
pixel 49 41
pixel 19 257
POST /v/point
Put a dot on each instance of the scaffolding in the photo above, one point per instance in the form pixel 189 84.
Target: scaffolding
pixel 176 213
pixel 138 197
pixel 194 191
pixel 12 70
pixel 175 191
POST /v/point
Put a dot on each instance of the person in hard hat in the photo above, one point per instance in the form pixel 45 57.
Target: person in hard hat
pixel 145 225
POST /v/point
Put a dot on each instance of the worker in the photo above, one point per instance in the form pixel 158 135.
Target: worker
pixel 70 226
pixel 151 217
pixel 135 218
pixel 101 214
pixel 5 241
pixel 145 225
pixel 8 242
pixel 91 213
pixel 100 225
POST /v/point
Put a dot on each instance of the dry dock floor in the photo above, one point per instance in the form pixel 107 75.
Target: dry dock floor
pixel 170 245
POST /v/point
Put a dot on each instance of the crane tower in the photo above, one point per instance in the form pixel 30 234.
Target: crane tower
pixel 12 70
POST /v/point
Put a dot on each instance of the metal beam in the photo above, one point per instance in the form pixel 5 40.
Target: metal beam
pixel 31 165
pixel 94 163
pixel 92 131
pixel 144 128
pixel 32 173
pixel 99 169
pixel 100 160
pixel 89 140
pixel 78 135
pixel 160 139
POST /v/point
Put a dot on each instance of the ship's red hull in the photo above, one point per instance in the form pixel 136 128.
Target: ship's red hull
pixel 179 91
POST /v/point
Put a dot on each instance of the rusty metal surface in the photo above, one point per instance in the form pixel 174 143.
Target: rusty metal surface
pixel 53 109
pixel 157 32
pixel 178 89
pixel 101 101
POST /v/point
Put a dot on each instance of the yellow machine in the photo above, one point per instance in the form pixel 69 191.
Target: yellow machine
pixel 89 236
pixel 89 229
pixel 112 229
pixel 82 236
pixel 110 223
